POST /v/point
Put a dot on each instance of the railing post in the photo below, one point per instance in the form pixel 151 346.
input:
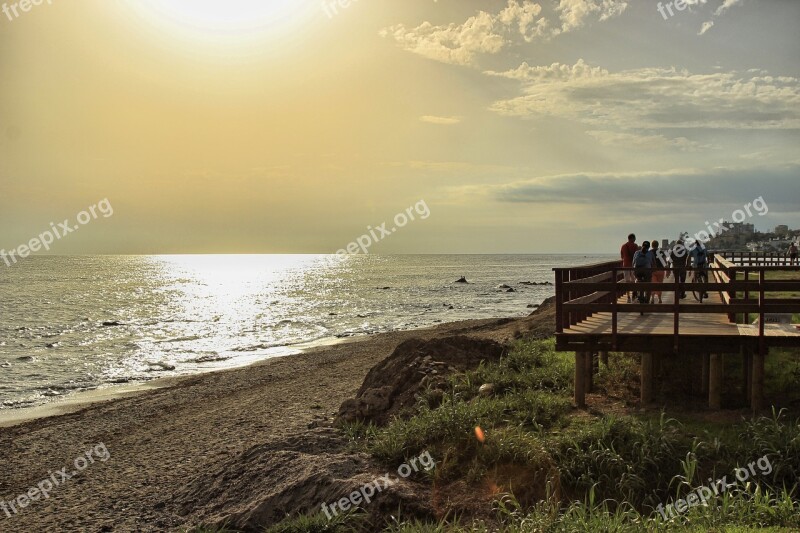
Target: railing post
pixel 746 294
pixel 757 377
pixel 732 293
pixel 559 301
pixel 676 308
pixel 571 315
pixel 761 296
pixel 615 294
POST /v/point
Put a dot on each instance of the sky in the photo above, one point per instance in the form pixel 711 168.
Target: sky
pixel 291 126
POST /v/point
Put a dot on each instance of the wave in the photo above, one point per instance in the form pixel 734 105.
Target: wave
pixel 263 346
pixel 181 339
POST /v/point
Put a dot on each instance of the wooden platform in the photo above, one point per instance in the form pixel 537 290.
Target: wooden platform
pixel 702 324
pixel 594 318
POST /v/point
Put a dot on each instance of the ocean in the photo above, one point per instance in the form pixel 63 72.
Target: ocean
pixel 76 323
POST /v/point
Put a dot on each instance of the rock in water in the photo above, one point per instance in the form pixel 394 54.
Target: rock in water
pixel 462 279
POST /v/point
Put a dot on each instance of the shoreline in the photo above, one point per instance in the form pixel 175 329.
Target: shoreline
pixel 165 442
pixel 107 392
pixel 79 400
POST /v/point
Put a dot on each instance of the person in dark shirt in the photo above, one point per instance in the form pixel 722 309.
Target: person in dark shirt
pixel 643 265
pixel 659 261
pixel 678 257
pixel 626 254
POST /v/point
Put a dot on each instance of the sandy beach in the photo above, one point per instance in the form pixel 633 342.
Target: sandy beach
pixel 173 451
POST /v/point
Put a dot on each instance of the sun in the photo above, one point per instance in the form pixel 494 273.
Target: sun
pixel 222 17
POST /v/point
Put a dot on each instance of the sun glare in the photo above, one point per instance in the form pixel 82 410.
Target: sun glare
pixel 231 17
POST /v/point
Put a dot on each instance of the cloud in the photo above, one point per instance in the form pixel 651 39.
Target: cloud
pixel 487 33
pixel 725 6
pixel 653 98
pixel 442 121
pixel 574 13
pixel 676 191
pixel 706 26
pixel 483 33
pixel 645 141
pixel 554 72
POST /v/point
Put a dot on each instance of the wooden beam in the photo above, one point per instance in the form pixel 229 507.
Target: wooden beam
pixel 580 379
pixel 705 373
pixel 715 376
pixel 647 378
pixel 604 358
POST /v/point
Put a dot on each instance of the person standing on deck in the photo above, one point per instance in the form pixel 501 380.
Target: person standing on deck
pixel 699 256
pixel 793 254
pixel 678 258
pixel 643 265
pixel 626 253
pixel 659 260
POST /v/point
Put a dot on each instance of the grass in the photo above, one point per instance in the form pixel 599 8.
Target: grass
pixel 561 470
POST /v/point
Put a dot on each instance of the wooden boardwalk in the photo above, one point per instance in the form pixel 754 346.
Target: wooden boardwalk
pixel 697 324
pixel 593 318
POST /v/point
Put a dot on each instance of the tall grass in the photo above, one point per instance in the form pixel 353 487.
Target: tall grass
pixel 602 473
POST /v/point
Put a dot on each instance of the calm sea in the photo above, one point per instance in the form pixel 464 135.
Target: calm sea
pixel 82 322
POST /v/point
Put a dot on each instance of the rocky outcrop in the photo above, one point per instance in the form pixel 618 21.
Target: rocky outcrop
pixel 393 385
pixel 264 484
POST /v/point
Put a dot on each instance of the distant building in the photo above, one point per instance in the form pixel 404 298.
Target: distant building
pixel 783 229
pixel 739 228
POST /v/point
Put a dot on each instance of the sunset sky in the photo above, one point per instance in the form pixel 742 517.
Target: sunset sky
pixel 283 126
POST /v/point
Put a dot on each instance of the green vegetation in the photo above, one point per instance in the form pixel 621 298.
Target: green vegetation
pixel 561 470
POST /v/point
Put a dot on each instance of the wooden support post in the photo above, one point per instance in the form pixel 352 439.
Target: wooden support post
pixel 715 381
pixel 705 373
pixel 580 379
pixel 604 358
pixel 647 378
pixel 757 382
pixel 589 366
pixel 747 362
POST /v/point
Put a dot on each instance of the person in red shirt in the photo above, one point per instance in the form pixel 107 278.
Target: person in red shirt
pixel 626 253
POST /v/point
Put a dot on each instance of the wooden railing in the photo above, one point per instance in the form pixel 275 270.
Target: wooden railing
pixel 590 289
pixel 756 258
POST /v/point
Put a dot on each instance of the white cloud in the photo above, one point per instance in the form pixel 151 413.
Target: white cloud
pixel 483 33
pixel 653 98
pixel 442 121
pixel 706 26
pixel 486 33
pixel 574 13
pixel 725 6
pixel 554 72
